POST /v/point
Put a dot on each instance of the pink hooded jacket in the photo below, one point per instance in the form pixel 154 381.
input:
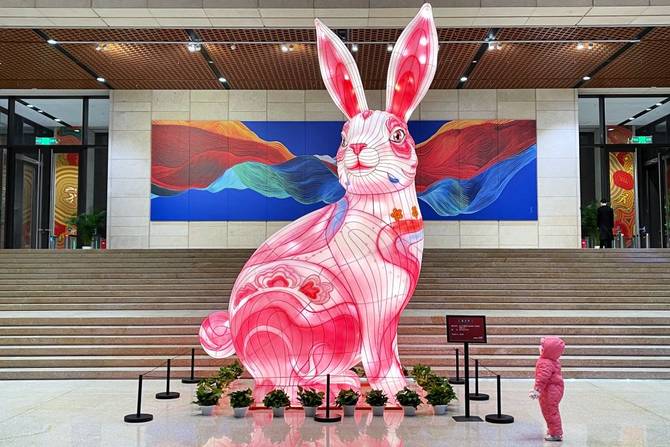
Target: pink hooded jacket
pixel 549 382
pixel 548 376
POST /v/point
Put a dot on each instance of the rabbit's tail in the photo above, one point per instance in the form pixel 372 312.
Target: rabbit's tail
pixel 215 336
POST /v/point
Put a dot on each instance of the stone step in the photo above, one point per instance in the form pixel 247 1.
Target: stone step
pixel 178 372
pixel 189 340
pixel 490 361
pixel 404 347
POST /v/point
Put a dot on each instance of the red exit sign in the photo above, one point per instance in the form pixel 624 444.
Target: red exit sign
pixel 466 328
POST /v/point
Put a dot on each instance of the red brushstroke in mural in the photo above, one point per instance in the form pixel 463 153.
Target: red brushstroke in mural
pixel 465 148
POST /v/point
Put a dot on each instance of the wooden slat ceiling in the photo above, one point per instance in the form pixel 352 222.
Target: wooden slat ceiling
pixel 27 61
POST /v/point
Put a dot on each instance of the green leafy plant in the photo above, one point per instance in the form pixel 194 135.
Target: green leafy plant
pixel 347 397
pixel 310 397
pixel 241 399
pixel 590 222
pixel 207 393
pixel 376 398
pixel 88 225
pixel 228 374
pixel 360 372
pixel 408 398
pixel 420 372
pixel 440 394
pixel 276 399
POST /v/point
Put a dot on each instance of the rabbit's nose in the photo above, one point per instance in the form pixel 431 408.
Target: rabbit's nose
pixel 357 147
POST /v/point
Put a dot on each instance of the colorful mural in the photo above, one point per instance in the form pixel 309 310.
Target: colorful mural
pixel 66 178
pixel 622 193
pixel 232 170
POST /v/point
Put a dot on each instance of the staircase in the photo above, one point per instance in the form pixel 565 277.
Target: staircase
pixel 118 313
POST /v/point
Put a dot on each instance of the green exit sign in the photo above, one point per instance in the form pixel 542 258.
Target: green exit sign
pixel 46 141
pixel 641 139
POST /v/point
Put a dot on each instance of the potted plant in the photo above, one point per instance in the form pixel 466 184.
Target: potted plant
pixel 439 396
pixel 347 399
pixel 277 400
pixel 376 399
pixel 310 400
pixel 88 226
pixel 240 401
pixel 207 396
pixel 590 224
pixel 409 400
pixel 228 374
pixel 420 373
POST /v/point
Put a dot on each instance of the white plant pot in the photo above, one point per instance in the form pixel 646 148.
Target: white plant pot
pixel 409 411
pixel 278 412
pixel 310 412
pixel 240 412
pixel 207 410
pixel 348 410
pixel 378 411
pixel 440 409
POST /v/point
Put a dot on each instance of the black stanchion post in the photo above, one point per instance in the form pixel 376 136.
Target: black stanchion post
pixel 327 417
pixel 138 416
pixel 467 417
pixel 167 394
pixel 457 380
pixel 191 379
pixel 477 395
pixel 499 418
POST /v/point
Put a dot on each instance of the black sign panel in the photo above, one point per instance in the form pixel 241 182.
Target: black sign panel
pixel 466 328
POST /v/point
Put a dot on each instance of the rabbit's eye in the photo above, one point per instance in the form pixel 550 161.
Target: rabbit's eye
pixel 397 136
pixel 344 141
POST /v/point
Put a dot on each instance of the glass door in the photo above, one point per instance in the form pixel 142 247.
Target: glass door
pixel 26 199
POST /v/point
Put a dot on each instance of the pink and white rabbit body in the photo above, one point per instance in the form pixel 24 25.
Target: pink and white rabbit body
pixel 326 292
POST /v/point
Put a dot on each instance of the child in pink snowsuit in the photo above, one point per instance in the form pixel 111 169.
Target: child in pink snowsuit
pixel 549 385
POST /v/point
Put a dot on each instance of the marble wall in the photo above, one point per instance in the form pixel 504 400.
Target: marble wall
pixel 555 111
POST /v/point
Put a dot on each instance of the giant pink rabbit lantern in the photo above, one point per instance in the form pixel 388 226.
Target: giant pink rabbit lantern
pixel 326 292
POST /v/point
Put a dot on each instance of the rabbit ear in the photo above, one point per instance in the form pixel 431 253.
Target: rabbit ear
pixel 413 64
pixel 339 72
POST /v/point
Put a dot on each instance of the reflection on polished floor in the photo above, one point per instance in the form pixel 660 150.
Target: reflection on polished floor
pixel 90 413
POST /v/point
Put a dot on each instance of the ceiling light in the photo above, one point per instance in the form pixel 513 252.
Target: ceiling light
pixel 389 47
pixel 498 45
pixel 30 106
pixel 194 47
pixel 39 111
pixel 492 46
pixel 354 47
pixel 101 47
pixel 211 62
pixel 284 48
pixel 586 78
pixel 58 120
pixel 464 78
pixel 648 109
pixel 233 47
pixel 589 45
pixel 658 104
pixel 631 118
pixel 76 130
pixel 474 61
pixel 580 46
pixel 52 42
pixel 610 129
pixel 222 79
pixel 100 79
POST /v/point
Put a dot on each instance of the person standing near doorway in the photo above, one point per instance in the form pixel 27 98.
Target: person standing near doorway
pixel 605 224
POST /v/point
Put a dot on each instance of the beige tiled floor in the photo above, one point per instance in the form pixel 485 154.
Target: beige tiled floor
pixel 90 413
